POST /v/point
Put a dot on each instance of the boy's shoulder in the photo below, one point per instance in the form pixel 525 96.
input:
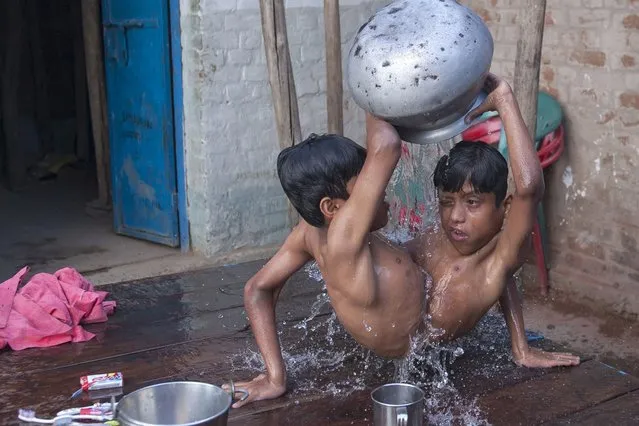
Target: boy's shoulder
pixel 303 237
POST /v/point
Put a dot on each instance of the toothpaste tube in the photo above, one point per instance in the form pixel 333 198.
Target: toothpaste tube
pixel 95 410
pixel 99 381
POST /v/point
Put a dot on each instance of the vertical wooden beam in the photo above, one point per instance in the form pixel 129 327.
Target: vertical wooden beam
pixel 93 52
pixel 527 63
pixel 15 37
pixel 282 82
pixel 526 79
pixel 334 89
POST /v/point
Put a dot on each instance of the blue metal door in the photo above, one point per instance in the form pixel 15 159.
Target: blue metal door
pixel 140 107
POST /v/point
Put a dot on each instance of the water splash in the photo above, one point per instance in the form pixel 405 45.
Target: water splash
pixel 321 300
pixel 315 359
pixel 313 271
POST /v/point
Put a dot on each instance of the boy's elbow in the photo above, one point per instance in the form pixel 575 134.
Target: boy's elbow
pixel 532 188
pixel 386 144
pixel 251 292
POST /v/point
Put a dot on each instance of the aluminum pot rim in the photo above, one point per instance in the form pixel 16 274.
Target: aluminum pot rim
pixel 450 131
pixel 119 415
pixel 398 405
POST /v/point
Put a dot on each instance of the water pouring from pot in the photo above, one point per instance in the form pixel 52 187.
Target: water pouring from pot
pixel 421 66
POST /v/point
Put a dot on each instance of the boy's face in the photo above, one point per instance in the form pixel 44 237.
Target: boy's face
pixel 469 219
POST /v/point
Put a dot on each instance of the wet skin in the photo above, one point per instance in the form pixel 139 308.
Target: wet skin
pixel 375 288
pixel 373 285
pixel 472 256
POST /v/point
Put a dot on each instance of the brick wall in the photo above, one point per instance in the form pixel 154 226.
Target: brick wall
pixel 591 64
pixel 235 200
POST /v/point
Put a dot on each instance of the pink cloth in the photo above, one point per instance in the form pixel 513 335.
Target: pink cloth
pixel 49 309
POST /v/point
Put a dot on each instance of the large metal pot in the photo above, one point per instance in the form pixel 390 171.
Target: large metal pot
pixel 176 404
pixel 421 65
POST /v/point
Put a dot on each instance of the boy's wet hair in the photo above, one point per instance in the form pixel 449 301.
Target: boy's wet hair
pixel 476 162
pixel 319 167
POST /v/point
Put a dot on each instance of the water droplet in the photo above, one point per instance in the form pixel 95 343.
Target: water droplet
pixel 367 326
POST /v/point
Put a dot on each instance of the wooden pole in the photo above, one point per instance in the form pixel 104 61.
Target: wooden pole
pixel 97 96
pixel 527 64
pixel 334 89
pixel 282 82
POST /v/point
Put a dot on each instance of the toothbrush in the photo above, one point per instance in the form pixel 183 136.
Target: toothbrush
pixel 27 415
pixel 97 409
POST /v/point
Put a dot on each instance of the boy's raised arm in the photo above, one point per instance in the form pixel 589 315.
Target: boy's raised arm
pixel 353 223
pixel 526 169
pixel 260 297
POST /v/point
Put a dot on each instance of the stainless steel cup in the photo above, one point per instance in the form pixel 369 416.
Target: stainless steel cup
pixel 398 404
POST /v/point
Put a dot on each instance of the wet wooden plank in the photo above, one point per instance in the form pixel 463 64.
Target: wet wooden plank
pixel 209 360
pixel 116 342
pixel 487 361
pixel 623 410
pixel 49 391
pixel 556 394
pixel 172 330
pixel 140 297
pixel 163 313
pixel 354 409
pixel 480 372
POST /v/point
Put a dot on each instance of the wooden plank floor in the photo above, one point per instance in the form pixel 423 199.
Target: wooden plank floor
pixel 192 327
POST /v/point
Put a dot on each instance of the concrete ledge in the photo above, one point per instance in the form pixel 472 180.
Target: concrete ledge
pixel 175 264
pixel 584 290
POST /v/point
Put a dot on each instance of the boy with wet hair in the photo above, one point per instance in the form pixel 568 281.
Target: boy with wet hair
pixel 376 288
pixel 474 251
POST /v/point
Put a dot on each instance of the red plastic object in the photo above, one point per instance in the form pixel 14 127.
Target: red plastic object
pixel 552 147
pixel 540 259
pixel 487 131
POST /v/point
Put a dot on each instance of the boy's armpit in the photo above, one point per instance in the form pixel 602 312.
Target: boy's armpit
pixel 421 245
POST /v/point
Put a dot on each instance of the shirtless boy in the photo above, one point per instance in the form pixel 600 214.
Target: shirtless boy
pixel 338 189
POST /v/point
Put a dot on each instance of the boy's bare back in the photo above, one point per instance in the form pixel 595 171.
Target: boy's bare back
pixel 375 288
pixel 377 295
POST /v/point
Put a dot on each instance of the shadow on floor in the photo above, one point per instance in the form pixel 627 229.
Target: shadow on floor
pixel 47 226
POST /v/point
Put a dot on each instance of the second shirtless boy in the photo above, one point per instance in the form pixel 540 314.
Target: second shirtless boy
pixel 377 289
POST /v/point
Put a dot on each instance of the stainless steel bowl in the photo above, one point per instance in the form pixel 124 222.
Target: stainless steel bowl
pixel 421 65
pixel 175 404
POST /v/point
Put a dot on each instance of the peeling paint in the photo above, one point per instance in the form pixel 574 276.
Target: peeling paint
pixel 567 178
pixel 141 188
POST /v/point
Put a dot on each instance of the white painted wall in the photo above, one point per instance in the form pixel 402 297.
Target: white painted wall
pixel 235 200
